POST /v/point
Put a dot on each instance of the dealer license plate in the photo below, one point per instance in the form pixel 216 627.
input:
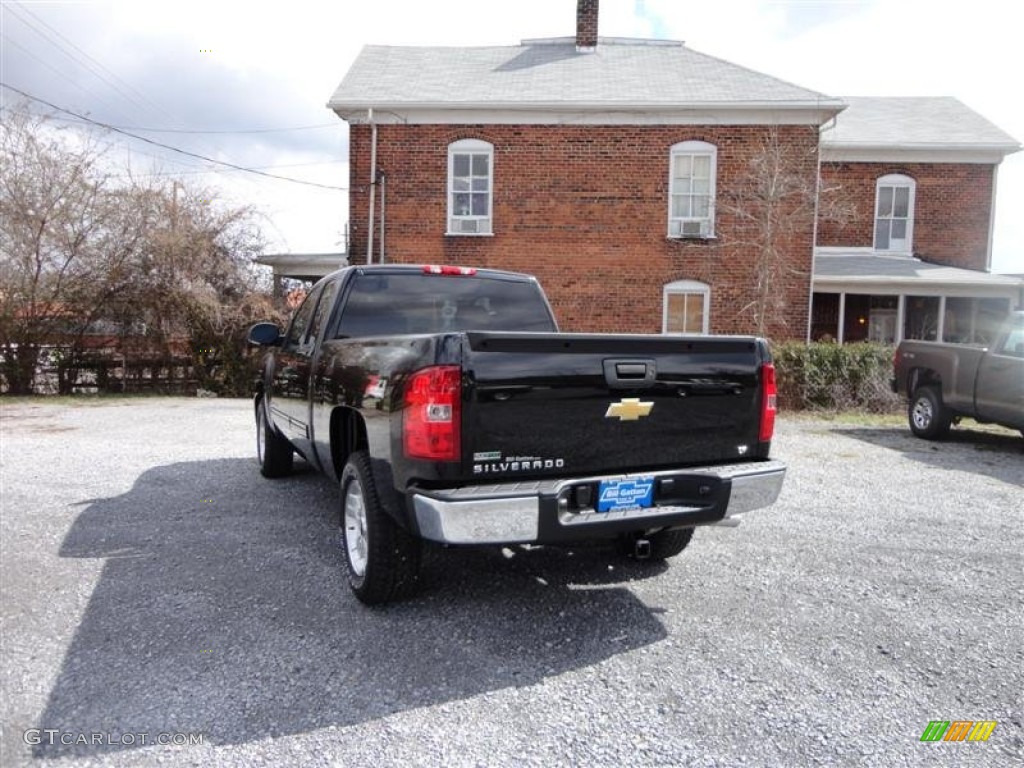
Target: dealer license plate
pixel 627 493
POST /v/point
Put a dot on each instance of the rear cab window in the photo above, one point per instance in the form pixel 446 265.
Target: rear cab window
pixel 411 303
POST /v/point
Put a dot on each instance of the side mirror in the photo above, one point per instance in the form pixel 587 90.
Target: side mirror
pixel 265 334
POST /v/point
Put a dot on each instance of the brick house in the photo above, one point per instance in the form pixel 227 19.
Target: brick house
pixel 628 175
pixel 920 175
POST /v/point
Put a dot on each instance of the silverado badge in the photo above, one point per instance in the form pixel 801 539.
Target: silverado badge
pixel 628 409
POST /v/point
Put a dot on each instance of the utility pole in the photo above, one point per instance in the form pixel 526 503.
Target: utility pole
pixel 174 206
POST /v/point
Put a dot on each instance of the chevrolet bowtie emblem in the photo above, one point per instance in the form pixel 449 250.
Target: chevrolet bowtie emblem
pixel 628 409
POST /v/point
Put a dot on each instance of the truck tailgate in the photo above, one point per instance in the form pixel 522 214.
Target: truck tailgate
pixel 541 404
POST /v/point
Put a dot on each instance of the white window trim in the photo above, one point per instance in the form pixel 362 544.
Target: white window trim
pixel 895 180
pixel 475 146
pixel 686 287
pixel 693 148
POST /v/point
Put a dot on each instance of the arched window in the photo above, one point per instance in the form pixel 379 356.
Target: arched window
pixel 691 208
pixel 894 213
pixel 686 307
pixel 470 187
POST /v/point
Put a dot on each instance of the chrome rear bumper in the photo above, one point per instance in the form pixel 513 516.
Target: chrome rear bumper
pixel 521 512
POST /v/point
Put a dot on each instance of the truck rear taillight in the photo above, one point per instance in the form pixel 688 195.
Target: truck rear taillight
pixel 434 269
pixel 769 399
pixel 432 418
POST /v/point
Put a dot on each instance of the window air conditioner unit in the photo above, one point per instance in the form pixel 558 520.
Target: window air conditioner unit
pixel 470 226
pixel 690 229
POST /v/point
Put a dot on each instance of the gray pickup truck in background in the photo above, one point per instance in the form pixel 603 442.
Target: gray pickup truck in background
pixel 945 382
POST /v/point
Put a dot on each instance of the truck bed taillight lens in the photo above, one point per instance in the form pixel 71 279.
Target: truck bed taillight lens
pixel 769 398
pixel 432 419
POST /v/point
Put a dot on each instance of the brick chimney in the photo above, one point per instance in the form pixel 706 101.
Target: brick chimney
pixel 586 26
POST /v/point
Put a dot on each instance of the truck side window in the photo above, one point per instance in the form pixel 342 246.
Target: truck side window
pixel 323 310
pixel 300 323
pixel 1013 344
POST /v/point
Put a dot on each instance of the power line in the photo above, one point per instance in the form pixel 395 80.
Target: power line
pixel 168 146
pixel 217 170
pixel 61 75
pixel 75 60
pixel 90 63
pixel 211 132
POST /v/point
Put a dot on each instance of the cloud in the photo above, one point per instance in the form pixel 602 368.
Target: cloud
pixel 239 66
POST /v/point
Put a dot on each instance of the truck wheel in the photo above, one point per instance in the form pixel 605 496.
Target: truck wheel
pixel 927 416
pixel 274 452
pixel 663 544
pixel 381 558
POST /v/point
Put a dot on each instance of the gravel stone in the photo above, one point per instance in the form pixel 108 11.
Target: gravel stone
pixel 153 582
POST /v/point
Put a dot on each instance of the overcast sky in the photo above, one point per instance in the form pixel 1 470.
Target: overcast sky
pixel 232 68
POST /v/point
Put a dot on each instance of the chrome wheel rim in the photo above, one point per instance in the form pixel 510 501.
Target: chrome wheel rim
pixel 261 436
pixel 356 541
pixel 922 413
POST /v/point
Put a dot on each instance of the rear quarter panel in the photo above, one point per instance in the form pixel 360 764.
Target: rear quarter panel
pixel 952 367
pixel 365 377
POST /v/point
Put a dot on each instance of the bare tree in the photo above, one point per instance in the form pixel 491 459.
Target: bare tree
pixel 198 281
pixel 773 207
pixel 63 241
pixel 163 265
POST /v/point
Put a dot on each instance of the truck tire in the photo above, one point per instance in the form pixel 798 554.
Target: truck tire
pixel 381 558
pixel 928 417
pixel 274 453
pixel 663 544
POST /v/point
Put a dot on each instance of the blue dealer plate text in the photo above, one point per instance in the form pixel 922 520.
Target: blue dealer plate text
pixel 630 493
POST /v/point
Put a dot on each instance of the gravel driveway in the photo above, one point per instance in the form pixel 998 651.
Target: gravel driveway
pixel 153 583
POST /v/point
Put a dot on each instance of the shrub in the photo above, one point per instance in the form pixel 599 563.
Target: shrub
pixel 827 376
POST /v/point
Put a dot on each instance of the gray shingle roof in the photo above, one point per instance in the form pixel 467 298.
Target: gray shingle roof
pixel 920 122
pixel 551 72
pixel 872 268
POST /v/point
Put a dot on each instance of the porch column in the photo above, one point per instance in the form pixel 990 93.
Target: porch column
pixel 842 317
pixel 901 308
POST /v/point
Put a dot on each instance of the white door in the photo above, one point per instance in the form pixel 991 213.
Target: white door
pixel 882 326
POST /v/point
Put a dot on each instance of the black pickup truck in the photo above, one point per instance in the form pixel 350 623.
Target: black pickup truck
pixel 448 407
